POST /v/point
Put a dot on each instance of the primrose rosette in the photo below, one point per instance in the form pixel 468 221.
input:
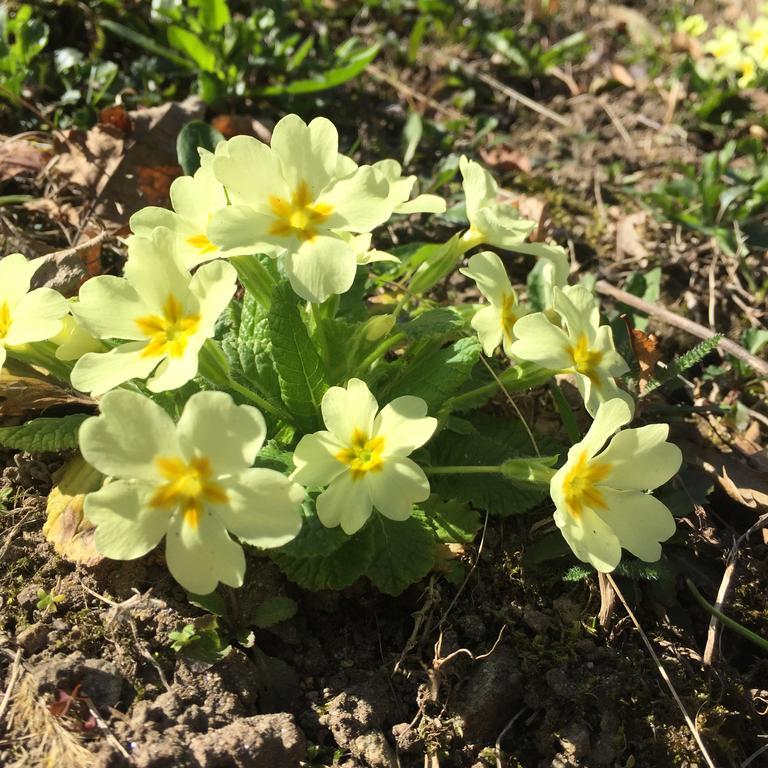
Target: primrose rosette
pixel 266 301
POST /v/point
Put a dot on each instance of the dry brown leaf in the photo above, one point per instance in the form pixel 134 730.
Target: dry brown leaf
pixel 122 173
pixel 117 117
pixel 629 236
pixel 26 392
pixel 742 484
pixel 506 158
pixel 235 125
pixel 640 30
pixel 644 346
pixel 21 156
pixel 65 527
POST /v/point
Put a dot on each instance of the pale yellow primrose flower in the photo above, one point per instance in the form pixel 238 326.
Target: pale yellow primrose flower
pixel 191 482
pixel 362 457
pixel 724 47
pixel 694 25
pixel 494 323
pixel 400 188
pixel 194 199
pixel 165 314
pixel 746 67
pixel 752 32
pixel 600 506
pixel 26 316
pixel 584 347
pixel 292 199
pixel 490 222
pixel 759 52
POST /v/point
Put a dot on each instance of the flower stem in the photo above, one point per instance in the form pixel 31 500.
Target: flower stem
pixel 378 351
pixel 43 354
pixel 255 277
pixel 725 620
pixel 467 470
pixel 320 334
pixel 515 379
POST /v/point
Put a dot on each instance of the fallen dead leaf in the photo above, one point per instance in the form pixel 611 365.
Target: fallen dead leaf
pixel 117 117
pixel 506 158
pixel 22 156
pixel 235 125
pixel 629 236
pixel 119 173
pixel 644 346
pixel 640 30
pixel 65 527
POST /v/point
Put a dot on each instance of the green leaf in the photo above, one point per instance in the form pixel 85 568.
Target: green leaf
pixel 300 54
pixel 194 134
pixel 272 611
pixel 314 539
pixel 437 375
pixel 213 602
pixel 212 14
pixel 298 365
pixel 412 132
pixel 403 552
pixel 434 322
pixel 189 43
pixel 495 441
pixel 328 79
pixel 45 434
pixel 336 570
pixel 451 521
pixel 145 42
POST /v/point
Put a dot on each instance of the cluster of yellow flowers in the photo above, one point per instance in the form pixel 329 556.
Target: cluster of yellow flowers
pixel 312 210
pixel 740 52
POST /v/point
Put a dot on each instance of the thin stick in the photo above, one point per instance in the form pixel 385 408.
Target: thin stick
pixel 754 756
pixel 695 329
pixel 15 671
pixel 663 672
pixel 400 86
pixel 503 734
pixel 441 661
pixel 95 240
pixel 512 93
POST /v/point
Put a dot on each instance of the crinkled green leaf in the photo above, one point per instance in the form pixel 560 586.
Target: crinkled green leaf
pixel 272 611
pixel 314 539
pixel 496 440
pixel 438 375
pixel 44 434
pixel 434 322
pixel 299 368
pixel 403 552
pixel 196 133
pixel 450 521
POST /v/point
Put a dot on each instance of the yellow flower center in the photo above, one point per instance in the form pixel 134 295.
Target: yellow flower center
pixel 508 316
pixel 168 333
pixel 201 243
pixel 579 485
pixel 5 319
pixel 586 360
pixel 189 486
pixel 300 216
pixel 363 455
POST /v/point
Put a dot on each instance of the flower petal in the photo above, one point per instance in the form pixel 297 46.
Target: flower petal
pixel 36 317
pixel 97 373
pixel 315 459
pixel 126 438
pixel 539 341
pixel 404 425
pixel 346 410
pixel 174 372
pixel 320 268
pixel 397 487
pixel 479 186
pixel 229 435
pixel 202 555
pixel 250 171
pixel 16 273
pixel 488 271
pixel 590 538
pixel 307 152
pixel 639 520
pixel 487 322
pixel 641 458
pixel 346 502
pixel 146 220
pixel 108 307
pixel 240 230
pixel 127 526
pixel 611 416
pixel 264 508
pixel 214 285
pixel 360 202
